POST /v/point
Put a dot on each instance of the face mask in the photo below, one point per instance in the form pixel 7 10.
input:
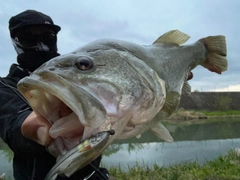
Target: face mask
pixel 27 40
pixel 34 50
pixel 33 60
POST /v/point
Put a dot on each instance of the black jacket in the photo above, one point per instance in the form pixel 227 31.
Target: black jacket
pixel 31 161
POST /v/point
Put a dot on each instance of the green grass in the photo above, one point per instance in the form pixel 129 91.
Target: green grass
pixel 221 113
pixel 223 168
pixel 212 113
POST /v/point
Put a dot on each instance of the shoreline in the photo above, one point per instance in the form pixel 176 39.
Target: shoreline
pixel 183 116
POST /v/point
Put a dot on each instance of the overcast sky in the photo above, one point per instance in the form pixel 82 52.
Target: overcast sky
pixel 138 21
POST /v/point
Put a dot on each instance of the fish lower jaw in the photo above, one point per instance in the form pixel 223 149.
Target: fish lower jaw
pixel 68 134
pixel 62 145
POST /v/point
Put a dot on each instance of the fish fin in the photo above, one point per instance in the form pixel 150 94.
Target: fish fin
pixel 171 102
pixel 138 136
pixel 216 56
pixel 161 132
pixel 186 89
pixel 174 37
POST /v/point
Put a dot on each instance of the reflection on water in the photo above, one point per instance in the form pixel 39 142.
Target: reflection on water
pixel 6 156
pixel 199 141
pixel 164 154
pixel 193 141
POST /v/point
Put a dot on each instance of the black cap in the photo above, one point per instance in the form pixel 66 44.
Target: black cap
pixel 31 18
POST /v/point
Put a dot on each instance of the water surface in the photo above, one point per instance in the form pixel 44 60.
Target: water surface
pixel 194 141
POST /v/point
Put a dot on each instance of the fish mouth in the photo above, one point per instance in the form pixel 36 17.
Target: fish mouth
pixel 66 129
pixel 63 111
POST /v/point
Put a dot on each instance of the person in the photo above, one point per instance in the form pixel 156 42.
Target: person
pixel 34 37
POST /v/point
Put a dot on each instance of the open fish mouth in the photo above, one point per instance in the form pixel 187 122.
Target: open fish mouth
pixel 66 128
pixel 57 106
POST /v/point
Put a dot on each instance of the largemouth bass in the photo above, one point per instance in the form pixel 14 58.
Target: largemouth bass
pixel 119 85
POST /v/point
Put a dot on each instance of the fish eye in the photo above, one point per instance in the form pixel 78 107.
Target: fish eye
pixel 84 63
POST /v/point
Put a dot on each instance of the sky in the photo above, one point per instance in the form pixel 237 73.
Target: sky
pixel 138 21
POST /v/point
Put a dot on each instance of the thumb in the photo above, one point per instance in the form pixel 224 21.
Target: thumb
pixel 36 128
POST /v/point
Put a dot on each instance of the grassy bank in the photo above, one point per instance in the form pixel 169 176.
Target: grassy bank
pixel 223 168
pixel 221 113
pixel 183 114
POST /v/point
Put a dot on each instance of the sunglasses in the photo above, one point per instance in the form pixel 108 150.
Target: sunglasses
pixel 30 40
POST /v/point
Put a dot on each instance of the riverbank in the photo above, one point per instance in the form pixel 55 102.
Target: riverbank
pixel 223 168
pixel 186 115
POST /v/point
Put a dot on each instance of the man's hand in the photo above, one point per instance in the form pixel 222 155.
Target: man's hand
pixel 36 128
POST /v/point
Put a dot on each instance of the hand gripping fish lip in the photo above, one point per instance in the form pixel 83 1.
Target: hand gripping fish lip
pixel 80 156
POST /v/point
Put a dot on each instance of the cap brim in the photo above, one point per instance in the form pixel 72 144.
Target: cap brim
pixel 55 28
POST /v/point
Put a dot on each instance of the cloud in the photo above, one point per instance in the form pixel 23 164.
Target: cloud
pixel 138 21
pixel 231 88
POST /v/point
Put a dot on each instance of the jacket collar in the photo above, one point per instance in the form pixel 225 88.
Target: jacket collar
pixel 17 71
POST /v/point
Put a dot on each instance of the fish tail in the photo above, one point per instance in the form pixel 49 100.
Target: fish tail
pixel 216 54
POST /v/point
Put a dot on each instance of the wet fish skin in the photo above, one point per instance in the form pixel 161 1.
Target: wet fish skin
pixel 114 84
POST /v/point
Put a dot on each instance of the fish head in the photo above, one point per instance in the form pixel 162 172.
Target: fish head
pixel 95 88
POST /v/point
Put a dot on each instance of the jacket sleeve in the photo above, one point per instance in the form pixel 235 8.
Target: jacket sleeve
pixel 13 111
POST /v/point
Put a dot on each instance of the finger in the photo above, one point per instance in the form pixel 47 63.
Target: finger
pixel 37 129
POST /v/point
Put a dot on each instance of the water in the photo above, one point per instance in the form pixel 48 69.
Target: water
pixel 5 160
pixel 165 154
pixel 194 141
